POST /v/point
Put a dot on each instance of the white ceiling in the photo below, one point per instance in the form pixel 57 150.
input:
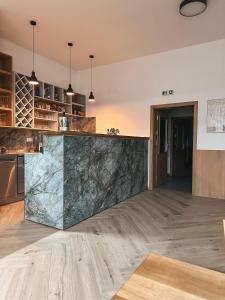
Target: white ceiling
pixel 113 30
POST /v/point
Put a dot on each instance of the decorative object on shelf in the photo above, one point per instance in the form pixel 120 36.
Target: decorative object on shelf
pixel 47 91
pixel 112 131
pixel 192 8
pixel 24 102
pixel 64 123
pixel 70 91
pixel 216 116
pixel 33 79
pixel 91 96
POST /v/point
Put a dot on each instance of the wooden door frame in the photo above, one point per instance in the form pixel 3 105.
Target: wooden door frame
pixel 153 109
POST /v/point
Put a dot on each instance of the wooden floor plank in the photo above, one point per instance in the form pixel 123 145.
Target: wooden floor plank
pixel 160 277
pixel 93 259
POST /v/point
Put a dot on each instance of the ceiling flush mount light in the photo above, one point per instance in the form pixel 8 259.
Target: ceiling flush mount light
pixel 91 96
pixel 191 8
pixel 33 79
pixel 70 91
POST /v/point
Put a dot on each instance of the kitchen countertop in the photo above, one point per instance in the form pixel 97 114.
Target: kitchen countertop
pixel 14 153
pixel 74 133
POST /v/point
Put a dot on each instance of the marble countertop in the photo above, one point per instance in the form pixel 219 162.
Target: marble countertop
pixel 16 153
pixel 75 133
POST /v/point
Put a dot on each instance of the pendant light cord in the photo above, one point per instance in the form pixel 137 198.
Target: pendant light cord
pixel 33 48
pixel 91 73
pixel 70 64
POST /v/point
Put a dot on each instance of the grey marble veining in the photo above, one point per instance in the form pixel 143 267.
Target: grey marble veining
pixel 44 184
pixel 79 176
pixel 15 138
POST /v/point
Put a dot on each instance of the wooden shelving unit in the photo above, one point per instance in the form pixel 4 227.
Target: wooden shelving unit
pixel 39 107
pixel 6 91
pixel 49 102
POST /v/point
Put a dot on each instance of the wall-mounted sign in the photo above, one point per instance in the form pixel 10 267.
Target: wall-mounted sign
pixel 216 115
pixel 168 92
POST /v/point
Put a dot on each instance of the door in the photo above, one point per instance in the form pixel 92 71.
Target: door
pixel 182 146
pixel 161 147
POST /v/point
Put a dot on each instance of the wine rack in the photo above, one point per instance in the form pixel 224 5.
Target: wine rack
pixel 24 102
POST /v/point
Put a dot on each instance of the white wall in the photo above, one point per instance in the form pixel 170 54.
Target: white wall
pixel 46 69
pixel 124 91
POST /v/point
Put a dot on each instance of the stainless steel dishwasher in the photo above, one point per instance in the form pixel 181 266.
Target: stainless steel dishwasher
pixel 8 180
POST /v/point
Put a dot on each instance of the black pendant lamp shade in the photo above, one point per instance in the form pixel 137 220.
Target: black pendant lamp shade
pixel 70 91
pixel 192 8
pixel 91 97
pixel 33 79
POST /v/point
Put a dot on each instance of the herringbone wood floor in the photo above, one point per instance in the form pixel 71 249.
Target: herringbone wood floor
pixel 94 258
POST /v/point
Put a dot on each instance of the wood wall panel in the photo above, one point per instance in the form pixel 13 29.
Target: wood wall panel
pixel 209 174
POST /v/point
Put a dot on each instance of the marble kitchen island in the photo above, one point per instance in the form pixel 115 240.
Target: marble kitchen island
pixel 80 175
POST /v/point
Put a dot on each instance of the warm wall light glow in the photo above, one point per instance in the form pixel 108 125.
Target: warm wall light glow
pixel 118 116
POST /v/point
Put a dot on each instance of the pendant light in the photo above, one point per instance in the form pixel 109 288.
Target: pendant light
pixel 70 91
pixel 91 97
pixel 33 79
pixel 192 8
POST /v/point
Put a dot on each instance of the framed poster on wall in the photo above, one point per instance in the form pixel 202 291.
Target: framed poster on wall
pixel 216 116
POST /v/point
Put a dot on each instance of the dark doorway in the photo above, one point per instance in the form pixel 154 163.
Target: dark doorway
pixel 173 148
pixel 182 135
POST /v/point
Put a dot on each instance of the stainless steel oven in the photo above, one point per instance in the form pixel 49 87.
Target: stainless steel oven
pixel 11 178
pixel 8 180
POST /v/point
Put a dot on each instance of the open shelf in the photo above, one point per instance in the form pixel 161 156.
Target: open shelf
pixel 44 124
pixel 78 104
pixel 45 110
pixel 6 91
pixel 45 119
pixel 5 109
pixel 5 72
pixel 51 101
pixel 72 115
